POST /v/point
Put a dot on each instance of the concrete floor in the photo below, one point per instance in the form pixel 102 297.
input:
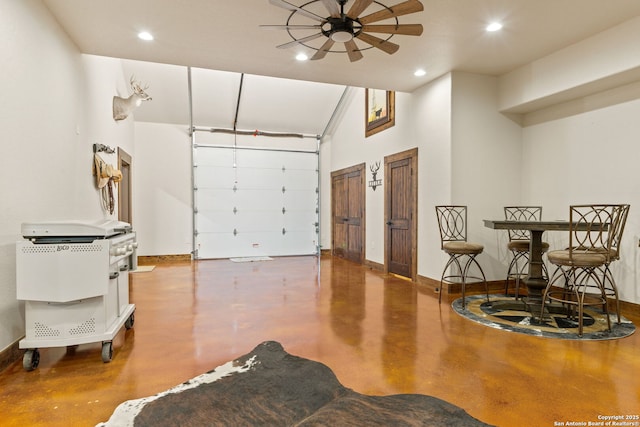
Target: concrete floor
pixel 379 334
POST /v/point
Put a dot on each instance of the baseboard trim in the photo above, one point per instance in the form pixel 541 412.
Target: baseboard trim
pixel 629 308
pixel 10 355
pixel 456 288
pixel 374 265
pixel 160 259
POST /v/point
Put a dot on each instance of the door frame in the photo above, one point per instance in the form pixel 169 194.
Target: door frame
pixel 124 158
pixel 363 223
pixel 411 154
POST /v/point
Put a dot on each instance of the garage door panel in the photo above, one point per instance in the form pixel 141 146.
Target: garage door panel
pixel 214 157
pixel 258 178
pixel 214 221
pixel 243 211
pixel 300 220
pixel 299 243
pixel 301 199
pixel 211 176
pixel 215 198
pixel 297 179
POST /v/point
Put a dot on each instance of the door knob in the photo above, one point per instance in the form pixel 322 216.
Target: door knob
pixel 389 223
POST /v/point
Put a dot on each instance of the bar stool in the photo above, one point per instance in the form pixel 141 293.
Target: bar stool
pixel 452 221
pixel 519 241
pixel 617 229
pixel 585 262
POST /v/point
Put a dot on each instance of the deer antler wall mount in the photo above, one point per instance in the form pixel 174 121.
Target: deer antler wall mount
pixel 122 107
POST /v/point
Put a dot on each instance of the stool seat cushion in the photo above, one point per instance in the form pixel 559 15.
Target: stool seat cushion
pixel 613 252
pixel 523 246
pixel 577 259
pixel 462 248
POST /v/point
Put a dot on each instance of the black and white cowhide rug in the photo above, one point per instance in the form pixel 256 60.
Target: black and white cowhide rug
pixel 269 387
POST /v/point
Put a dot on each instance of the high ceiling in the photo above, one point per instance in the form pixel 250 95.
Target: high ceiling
pixel 226 36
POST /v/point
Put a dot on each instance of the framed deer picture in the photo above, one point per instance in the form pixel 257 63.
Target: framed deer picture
pixel 379 110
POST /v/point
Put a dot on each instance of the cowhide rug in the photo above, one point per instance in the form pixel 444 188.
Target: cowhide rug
pixel 269 387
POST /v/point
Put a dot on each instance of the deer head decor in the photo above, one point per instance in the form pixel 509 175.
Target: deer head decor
pixel 122 107
pixel 375 182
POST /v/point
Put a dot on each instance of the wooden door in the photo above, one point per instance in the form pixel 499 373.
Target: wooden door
pixel 347 196
pixel 401 190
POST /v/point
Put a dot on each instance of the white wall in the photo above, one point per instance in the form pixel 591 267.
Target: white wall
pixel 40 66
pixel 325 193
pixel 162 213
pixel 423 120
pixel 348 147
pixel 52 111
pixel 431 117
pixel 486 152
pixel 467 151
pixel 600 62
pixel 589 158
pixel 104 79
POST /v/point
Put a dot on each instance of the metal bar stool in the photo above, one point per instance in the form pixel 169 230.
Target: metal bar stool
pixel 519 241
pixel 452 221
pixel 584 263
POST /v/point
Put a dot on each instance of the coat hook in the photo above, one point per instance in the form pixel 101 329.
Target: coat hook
pixel 97 148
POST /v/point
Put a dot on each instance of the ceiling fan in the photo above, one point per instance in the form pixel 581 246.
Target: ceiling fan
pixel 341 27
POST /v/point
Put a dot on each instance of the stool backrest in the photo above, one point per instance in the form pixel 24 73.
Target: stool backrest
pixel 617 229
pixel 596 228
pixel 522 213
pixel 452 221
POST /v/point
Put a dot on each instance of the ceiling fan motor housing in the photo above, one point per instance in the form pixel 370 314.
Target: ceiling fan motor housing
pixel 342 29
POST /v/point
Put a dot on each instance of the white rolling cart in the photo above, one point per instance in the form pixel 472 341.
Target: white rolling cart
pixel 74 279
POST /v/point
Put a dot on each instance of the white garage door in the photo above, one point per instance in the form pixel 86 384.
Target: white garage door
pixel 265 205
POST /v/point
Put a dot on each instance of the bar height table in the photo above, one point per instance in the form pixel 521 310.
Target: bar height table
pixel 535 281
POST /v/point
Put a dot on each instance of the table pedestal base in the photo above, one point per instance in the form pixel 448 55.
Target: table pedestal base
pixel 532 306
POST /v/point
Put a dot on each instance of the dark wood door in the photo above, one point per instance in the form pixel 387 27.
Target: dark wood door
pixel 348 213
pixel 400 213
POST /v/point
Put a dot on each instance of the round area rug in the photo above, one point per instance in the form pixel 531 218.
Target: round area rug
pixel 499 315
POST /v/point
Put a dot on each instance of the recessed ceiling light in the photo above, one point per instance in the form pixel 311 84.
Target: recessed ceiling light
pixel 419 73
pixel 301 57
pixel 143 35
pixel 494 26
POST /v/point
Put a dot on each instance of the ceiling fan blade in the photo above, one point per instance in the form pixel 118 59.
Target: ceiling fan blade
pixel 403 29
pixel 292 7
pixel 358 7
pixel 352 51
pixel 405 8
pixel 299 41
pixel 383 45
pixel 291 27
pixel 323 50
pixel 332 7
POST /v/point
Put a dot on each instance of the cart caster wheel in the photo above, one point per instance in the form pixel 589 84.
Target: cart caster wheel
pixel 107 351
pixel 129 322
pixel 31 359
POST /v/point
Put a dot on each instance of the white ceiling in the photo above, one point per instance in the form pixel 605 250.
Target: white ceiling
pixel 226 36
pixel 267 104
